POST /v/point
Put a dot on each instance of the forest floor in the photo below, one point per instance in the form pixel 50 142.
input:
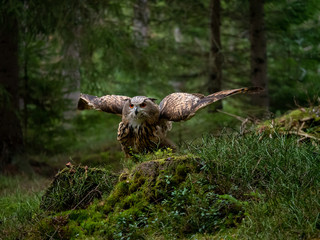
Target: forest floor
pixel 262 185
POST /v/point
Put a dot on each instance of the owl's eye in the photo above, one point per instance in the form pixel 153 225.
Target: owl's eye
pixel 131 105
pixel 143 105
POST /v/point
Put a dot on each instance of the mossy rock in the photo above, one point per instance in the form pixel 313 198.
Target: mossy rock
pixel 304 122
pixel 76 187
pixel 172 194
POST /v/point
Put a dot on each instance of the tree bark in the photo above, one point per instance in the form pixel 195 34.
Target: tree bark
pixel 72 63
pixel 141 22
pixel 71 72
pixel 11 139
pixel 216 57
pixel 258 53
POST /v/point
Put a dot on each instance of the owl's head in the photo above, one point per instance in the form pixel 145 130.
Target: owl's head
pixel 141 109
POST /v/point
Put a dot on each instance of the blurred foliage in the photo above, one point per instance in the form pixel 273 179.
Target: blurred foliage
pixel 109 61
pixel 293 30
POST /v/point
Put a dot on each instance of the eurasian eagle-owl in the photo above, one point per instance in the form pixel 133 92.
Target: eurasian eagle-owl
pixel 145 124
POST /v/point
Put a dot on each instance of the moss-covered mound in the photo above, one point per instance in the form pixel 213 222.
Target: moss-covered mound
pixel 304 122
pixel 170 196
pixel 76 186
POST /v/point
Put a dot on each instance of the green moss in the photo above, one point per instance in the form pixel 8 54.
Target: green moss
pixel 52 227
pixel 76 230
pixel 120 190
pixel 137 181
pixel 297 122
pixel 78 215
pixel 128 202
pixel 153 194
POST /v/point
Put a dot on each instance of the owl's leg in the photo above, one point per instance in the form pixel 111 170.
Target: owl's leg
pixel 167 143
pixel 127 151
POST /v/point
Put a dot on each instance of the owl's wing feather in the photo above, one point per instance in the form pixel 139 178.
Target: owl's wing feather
pixel 108 103
pixel 183 106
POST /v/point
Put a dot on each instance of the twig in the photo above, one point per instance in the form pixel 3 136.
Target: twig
pixel 255 166
pixel 303 134
pixel 300 128
pixel 51 237
pixel 241 119
pixel 243 125
pixel 301 139
pixel 93 190
pixel 306 119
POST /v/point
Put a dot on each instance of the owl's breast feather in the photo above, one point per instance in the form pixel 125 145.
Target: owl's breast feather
pixel 140 138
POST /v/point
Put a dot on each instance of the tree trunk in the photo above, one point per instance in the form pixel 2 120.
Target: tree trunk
pixel 71 72
pixel 216 57
pixel 141 22
pixel 258 53
pixel 11 140
pixel 72 63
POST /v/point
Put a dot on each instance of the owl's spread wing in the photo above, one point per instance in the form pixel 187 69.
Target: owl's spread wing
pixel 108 103
pixel 183 106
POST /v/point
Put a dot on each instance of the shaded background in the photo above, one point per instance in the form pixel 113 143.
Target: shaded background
pixel 50 51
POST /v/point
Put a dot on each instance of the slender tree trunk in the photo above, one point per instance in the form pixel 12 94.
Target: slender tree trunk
pixel 216 57
pixel 11 141
pixel 141 22
pixel 258 53
pixel 141 17
pixel 72 62
pixel 72 73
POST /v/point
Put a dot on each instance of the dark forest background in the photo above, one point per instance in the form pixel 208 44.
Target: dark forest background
pixel 50 51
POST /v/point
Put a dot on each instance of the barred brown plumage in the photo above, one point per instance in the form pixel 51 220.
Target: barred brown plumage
pixel 145 124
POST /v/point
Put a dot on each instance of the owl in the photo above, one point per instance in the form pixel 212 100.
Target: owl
pixel 144 125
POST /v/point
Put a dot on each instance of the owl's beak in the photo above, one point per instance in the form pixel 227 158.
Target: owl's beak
pixel 136 111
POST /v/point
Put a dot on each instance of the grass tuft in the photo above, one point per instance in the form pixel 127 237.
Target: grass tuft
pixel 76 187
pixel 18 204
pixel 282 177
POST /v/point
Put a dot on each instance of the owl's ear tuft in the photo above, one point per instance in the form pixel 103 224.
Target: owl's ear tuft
pixel 152 99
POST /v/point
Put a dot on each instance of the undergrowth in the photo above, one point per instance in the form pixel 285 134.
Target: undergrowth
pixel 170 194
pixel 281 176
pixel 76 186
pixel 230 187
pixel 19 200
